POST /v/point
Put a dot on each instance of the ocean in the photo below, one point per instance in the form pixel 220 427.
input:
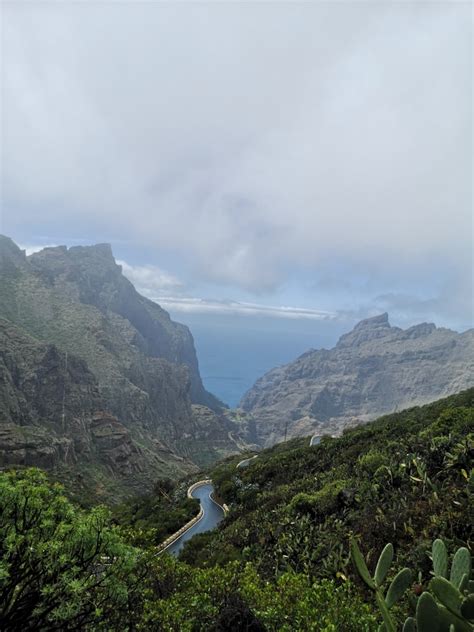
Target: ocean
pixel 234 351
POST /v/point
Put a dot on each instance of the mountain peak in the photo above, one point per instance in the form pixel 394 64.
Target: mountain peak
pixel 372 370
pixel 375 321
pixel 96 261
pixel 104 250
pixel 423 329
pixel 367 329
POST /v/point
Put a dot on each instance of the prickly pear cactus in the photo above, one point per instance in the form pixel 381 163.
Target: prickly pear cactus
pixel 460 568
pixel 440 558
pixel 448 605
pixel 396 588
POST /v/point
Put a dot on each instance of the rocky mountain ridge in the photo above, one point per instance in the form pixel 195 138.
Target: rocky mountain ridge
pixel 122 393
pixel 372 370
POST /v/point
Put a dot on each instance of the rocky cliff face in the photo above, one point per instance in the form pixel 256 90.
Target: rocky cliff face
pixel 52 416
pixel 90 276
pixel 105 373
pixel 372 370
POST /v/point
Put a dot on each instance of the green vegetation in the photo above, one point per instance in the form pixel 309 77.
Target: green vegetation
pixel 153 517
pixel 235 597
pixel 397 587
pixel 282 558
pixel 403 479
pixel 60 568
pixel 451 609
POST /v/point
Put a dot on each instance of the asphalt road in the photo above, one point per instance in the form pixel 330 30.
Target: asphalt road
pixel 213 514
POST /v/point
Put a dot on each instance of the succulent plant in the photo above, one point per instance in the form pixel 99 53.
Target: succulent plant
pixel 453 599
pixel 448 606
pixel 396 588
pixel 440 558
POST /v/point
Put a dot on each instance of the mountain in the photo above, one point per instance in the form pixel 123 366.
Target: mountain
pixel 53 416
pixel 70 317
pixel 374 369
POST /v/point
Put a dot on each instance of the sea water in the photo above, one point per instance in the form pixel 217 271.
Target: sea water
pixel 233 352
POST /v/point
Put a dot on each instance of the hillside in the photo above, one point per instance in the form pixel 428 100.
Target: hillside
pixel 76 303
pixel 280 560
pixel 52 415
pixel 373 370
pixel 403 478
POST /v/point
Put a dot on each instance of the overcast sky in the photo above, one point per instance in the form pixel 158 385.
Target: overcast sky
pixel 312 156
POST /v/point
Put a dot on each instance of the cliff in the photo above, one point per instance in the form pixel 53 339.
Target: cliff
pixel 374 369
pixel 140 367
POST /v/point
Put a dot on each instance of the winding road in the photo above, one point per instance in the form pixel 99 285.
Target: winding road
pixel 246 462
pixel 212 515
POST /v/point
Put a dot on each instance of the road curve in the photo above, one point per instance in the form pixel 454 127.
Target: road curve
pixel 212 515
pixel 246 462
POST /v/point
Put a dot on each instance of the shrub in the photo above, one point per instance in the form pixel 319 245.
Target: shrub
pixel 369 463
pixel 60 568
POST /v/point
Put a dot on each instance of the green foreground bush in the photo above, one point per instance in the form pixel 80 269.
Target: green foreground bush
pixel 236 598
pixel 60 567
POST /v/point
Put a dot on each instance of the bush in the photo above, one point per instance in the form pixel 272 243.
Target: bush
pixel 330 497
pixel 296 603
pixel 237 598
pixel 369 463
pixel 60 568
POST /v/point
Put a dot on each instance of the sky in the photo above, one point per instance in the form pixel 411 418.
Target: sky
pixel 295 163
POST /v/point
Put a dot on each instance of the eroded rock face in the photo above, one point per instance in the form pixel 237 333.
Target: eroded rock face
pixel 51 413
pixel 89 275
pixel 78 300
pixel 214 436
pixel 32 446
pixel 76 339
pixel 374 369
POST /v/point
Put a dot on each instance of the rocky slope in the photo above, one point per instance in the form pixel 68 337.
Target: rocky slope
pixel 129 358
pixel 372 370
pixel 53 416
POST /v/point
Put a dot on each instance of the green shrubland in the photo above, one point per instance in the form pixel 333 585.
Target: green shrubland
pixel 403 478
pixel 304 546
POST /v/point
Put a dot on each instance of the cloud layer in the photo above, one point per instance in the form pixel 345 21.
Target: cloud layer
pixel 250 140
pixel 208 306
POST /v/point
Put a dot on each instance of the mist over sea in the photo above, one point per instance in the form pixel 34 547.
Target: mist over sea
pixel 234 351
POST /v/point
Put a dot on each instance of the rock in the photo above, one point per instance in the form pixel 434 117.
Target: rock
pixel 52 416
pixel 102 370
pixel 214 436
pixel 374 369
pixel 31 446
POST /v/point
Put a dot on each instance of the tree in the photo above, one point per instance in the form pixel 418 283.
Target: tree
pixel 60 567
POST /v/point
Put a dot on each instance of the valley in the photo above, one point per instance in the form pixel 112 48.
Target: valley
pixel 104 372
pixel 236 316
pixel 212 518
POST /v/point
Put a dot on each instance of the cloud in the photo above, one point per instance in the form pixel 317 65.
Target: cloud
pixel 251 141
pixel 448 307
pixel 149 279
pixel 156 284
pixel 208 306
